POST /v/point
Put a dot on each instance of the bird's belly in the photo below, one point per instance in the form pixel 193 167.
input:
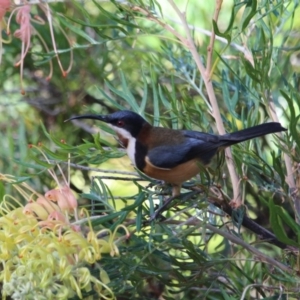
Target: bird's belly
pixel 176 175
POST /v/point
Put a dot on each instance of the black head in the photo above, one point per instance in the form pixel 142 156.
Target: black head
pixel 123 121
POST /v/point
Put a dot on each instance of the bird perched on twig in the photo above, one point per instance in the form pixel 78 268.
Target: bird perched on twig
pixel 173 156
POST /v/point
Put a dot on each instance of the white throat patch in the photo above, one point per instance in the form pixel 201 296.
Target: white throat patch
pixel 131 142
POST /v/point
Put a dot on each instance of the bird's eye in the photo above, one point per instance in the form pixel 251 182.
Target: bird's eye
pixel 120 123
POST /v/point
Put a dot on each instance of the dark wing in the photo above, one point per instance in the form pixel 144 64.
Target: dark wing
pixel 204 147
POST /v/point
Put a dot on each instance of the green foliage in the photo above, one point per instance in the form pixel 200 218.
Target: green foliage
pixel 142 56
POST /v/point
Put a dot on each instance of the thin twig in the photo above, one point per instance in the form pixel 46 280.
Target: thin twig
pixel 123 178
pixel 212 39
pixel 218 38
pixel 80 167
pixel 236 240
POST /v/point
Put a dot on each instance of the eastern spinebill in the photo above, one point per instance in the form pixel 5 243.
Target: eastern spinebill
pixel 173 156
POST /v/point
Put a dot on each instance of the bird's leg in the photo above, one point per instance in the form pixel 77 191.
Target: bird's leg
pixel 161 187
pixel 176 190
pixel 161 184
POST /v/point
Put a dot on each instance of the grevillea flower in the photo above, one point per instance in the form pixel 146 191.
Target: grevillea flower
pixel 44 251
pixel 23 18
pixel 26 30
pixel 64 198
pixel 48 205
pixel 4 7
pixel 37 210
pixel 42 258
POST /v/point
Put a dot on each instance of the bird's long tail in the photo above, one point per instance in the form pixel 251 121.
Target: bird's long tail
pixel 250 133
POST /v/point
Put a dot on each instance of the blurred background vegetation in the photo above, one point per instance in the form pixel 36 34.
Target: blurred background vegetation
pixel 129 55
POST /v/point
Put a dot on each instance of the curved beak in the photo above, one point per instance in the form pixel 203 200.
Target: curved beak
pixel 94 117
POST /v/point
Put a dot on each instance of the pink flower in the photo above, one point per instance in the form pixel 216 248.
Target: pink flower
pixel 24 34
pixel 57 195
pixel 4 7
pixel 64 198
pixel 23 18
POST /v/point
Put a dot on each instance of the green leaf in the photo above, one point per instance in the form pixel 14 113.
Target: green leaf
pixel 77 30
pixel 21 179
pixel 106 218
pixel 121 218
pixel 253 72
pixel 114 17
pixel 54 155
pixel 137 203
pixel 230 102
pixel 97 26
pixel 127 94
pixel 145 96
pixel 139 218
pixel 2 191
pixel 277 225
pixel 224 35
pixel 288 220
pixel 39 161
pixel 156 114
pixel 97 141
pixel 29 165
pixel 249 12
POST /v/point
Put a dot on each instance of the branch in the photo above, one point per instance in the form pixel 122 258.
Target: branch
pixel 212 38
pixel 236 240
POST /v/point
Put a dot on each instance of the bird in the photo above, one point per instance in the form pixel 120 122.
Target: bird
pixel 171 155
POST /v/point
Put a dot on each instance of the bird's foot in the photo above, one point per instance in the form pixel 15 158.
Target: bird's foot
pixel 161 187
